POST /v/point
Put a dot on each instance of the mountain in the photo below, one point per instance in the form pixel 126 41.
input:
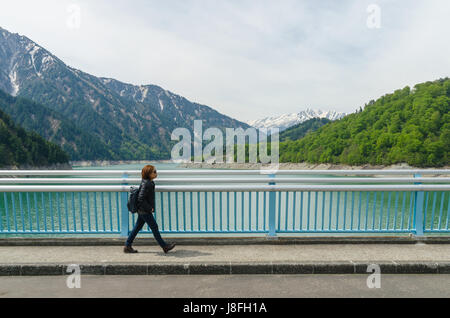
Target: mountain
pixel 134 122
pixel 408 126
pixel 300 130
pixel 285 121
pixel 23 149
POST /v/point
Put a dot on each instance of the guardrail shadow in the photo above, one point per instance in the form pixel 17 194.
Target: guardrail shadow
pixel 178 253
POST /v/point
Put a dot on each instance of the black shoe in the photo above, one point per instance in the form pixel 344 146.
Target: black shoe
pixel 168 247
pixel 129 249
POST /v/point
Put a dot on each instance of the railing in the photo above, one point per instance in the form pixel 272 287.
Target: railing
pixel 228 201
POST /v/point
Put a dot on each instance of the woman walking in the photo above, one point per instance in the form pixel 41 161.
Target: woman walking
pixel 146 206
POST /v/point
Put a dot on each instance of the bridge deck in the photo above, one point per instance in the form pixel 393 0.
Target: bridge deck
pixel 227 259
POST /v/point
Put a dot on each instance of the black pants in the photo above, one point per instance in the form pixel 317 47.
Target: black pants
pixel 141 220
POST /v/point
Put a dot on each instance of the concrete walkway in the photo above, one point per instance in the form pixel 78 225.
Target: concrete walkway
pixel 186 259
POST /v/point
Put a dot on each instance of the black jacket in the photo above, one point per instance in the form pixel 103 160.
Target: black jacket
pixel 146 196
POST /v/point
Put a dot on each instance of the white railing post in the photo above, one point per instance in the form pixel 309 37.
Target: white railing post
pixel 124 210
pixel 272 218
pixel 418 209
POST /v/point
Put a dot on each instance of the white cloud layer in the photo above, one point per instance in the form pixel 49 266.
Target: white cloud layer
pixel 248 58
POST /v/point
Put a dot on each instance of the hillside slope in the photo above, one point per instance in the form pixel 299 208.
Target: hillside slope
pixel 300 130
pixel 411 126
pixel 21 148
pixel 54 127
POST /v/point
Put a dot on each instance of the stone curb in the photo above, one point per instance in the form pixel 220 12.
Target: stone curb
pixel 228 268
pixel 89 241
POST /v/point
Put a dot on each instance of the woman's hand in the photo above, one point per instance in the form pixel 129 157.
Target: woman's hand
pixel 153 210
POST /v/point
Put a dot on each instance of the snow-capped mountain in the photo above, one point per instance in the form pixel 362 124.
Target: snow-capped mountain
pixel 287 120
pixel 22 60
pixel 132 121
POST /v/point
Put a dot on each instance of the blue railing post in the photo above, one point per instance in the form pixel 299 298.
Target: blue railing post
pixel 272 219
pixel 418 209
pixel 124 210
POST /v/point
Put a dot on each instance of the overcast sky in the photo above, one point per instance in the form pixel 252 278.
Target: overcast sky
pixel 247 59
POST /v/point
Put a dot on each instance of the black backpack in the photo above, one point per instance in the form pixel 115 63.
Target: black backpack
pixel 132 204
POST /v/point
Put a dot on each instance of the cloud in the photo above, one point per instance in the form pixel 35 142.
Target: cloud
pixel 248 58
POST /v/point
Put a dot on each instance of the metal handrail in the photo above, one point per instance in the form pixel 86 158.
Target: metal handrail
pixel 222 172
pixel 221 180
pixel 271 205
pixel 228 188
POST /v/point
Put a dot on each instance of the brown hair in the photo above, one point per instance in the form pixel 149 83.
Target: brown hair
pixel 147 171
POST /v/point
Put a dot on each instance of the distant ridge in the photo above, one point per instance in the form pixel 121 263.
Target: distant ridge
pixel 287 120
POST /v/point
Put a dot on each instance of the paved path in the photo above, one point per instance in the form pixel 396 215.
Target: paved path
pixel 227 253
pixel 227 259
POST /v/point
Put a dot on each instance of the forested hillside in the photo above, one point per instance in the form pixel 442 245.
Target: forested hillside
pixel 19 147
pixel 300 130
pixel 55 128
pixel 410 125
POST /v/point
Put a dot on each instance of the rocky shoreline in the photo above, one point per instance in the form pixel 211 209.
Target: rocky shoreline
pixel 103 163
pixel 59 166
pixel 204 165
pixel 300 166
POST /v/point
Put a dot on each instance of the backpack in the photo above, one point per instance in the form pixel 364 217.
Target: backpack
pixel 132 199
